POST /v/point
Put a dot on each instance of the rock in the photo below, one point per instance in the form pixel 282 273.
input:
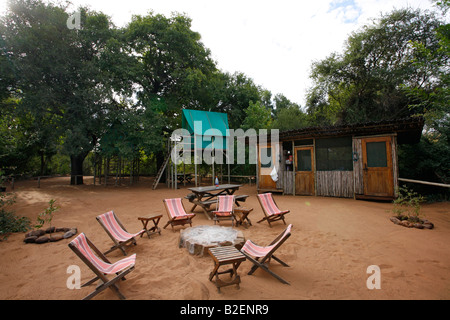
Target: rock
pixel 406 224
pixel 428 225
pixel 38 236
pixel 30 239
pixel 42 239
pixel 35 233
pixel 419 225
pixel 50 230
pixel 395 220
pixel 70 233
pixel 56 237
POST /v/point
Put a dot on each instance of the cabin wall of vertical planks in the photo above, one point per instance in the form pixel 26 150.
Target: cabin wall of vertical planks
pixel 367 177
pixel 344 184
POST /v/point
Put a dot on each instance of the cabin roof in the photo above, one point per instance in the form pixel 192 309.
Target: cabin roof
pixel 408 130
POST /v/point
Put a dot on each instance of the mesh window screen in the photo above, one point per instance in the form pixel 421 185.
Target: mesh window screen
pixel 334 154
pixel 304 160
pixel 376 154
pixel 266 157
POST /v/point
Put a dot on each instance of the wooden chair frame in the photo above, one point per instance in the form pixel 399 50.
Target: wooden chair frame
pixel 271 217
pixel 263 261
pixel 118 243
pixel 218 216
pixel 104 282
pixel 241 216
pixel 178 220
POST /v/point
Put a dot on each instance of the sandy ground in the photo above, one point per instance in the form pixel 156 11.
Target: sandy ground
pixel 333 243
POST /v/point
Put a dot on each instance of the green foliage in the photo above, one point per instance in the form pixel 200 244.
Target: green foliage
pixel 170 61
pixel 120 91
pixel 365 82
pixel 257 117
pixel 60 80
pixel 428 160
pixel 432 98
pixel 233 94
pixel 408 205
pixel 47 215
pixel 290 118
pixel 117 91
pixel 395 67
pixel 9 222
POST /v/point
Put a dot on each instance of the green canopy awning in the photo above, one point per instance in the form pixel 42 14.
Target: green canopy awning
pixel 210 129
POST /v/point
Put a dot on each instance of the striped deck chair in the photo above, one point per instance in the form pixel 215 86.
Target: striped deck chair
pixel 224 209
pixel 271 211
pixel 177 213
pixel 260 256
pixel 117 232
pixel 100 265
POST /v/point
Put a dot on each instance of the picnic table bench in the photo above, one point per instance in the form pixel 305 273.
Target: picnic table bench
pixel 237 199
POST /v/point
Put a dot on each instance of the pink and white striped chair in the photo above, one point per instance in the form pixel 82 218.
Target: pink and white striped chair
pixel 177 213
pixel 260 256
pixel 224 209
pixel 101 266
pixel 117 232
pixel 271 211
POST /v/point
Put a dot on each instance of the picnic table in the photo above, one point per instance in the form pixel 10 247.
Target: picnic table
pixel 204 197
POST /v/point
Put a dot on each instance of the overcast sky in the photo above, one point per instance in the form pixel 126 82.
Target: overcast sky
pixel 272 42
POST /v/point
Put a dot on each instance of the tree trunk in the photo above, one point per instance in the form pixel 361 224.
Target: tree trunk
pixel 42 163
pixel 76 169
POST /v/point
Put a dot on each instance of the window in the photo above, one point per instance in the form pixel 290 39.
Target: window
pixel 334 154
pixel 266 157
pixel 376 154
pixel 304 160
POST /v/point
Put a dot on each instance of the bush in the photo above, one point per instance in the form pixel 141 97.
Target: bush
pixel 9 222
pixel 408 205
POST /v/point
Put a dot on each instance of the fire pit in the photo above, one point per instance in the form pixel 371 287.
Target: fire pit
pixel 197 239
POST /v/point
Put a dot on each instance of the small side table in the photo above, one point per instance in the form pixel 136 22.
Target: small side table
pixel 223 256
pixel 241 215
pixel 155 229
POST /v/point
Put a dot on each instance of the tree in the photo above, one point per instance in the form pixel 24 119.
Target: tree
pixel 364 83
pixel 290 118
pixel 430 159
pixel 433 96
pixel 58 73
pixel 257 117
pixel 288 115
pixel 171 69
pixel 17 140
pixel 235 94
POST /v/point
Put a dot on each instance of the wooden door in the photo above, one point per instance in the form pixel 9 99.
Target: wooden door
pixel 304 170
pixel 266 162
pixel 377 167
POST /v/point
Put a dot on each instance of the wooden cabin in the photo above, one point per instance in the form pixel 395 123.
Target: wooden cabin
pixel 351 161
